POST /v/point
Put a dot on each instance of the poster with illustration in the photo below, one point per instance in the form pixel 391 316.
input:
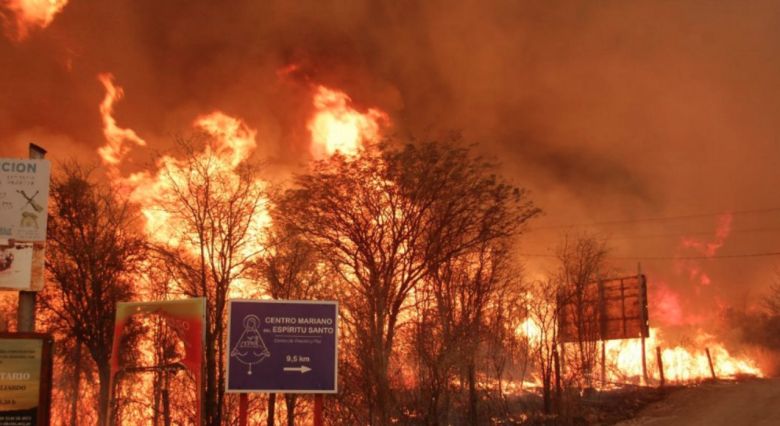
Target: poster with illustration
pixel 16 261
pixel 24 195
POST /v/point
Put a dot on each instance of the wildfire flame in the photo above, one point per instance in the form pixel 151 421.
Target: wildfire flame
pixel 231 142
pixel 29 14
pixel 336 126
pixel 681 364
pixel 114 149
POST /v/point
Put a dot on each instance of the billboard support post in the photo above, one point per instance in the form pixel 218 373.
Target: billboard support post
pixel 318 409
pixel 25 315
pixel 643 309
pixel 709 360
pixel 243 408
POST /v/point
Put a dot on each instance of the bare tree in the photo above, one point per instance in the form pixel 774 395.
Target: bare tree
pixel 356 216
pixel 93 252
pixel 213 213
pixel 542 332
pixel 465 295
pixel 772 299
pixel 582 261
pixel 389 218
pixel 473 220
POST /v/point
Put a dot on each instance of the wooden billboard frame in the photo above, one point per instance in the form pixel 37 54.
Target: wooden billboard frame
pixel 601 304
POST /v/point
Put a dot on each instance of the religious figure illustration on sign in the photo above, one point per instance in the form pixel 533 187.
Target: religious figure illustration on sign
pixel 250 348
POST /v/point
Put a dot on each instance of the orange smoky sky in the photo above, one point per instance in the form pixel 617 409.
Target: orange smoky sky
pixel 607 111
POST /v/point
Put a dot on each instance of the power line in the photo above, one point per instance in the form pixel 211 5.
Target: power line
pixel 655 219
pixel 688 234
pixel 724 256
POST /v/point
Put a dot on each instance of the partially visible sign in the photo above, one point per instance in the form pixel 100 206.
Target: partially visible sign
pixel 24 195
pixel 285 346
pixel 25 379
pixel 186 318
pixel 604 310
pixel 24 199
pixel 21 265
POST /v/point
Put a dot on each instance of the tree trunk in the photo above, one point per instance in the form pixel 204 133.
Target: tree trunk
pixel 166 399
pixel 271 409
pixel 157 390
pixel 289 399
pixel 546 393
pixel 74 399
pixel 557 366
pixel 104 375
pixel 472 379
pixel 211 381
pixel 433 409
pixel 379 405
pixel 219 333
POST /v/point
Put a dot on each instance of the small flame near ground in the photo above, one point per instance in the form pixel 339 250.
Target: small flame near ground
pixel 30 14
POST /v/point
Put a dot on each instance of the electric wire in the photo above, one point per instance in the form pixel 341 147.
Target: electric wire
pixel 716 257
pixel 654 219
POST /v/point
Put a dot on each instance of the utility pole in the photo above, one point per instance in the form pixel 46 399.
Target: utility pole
pixel 25 315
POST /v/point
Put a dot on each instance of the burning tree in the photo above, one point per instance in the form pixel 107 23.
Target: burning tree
pixel 471 225
pixel 93 252
pixel 541 328
pixel 210 209
pixel 457 318
pixel 582 261
pixel 386 220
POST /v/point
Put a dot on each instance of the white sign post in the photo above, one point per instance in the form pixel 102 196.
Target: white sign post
pixel 24 209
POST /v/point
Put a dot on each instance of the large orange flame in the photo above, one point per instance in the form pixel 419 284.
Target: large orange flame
pixel 30 14
pixel 229 143
pixel 115 149
pixel 337 126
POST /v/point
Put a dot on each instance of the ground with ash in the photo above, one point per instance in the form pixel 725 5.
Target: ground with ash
pixel 749 402
pixel 745 401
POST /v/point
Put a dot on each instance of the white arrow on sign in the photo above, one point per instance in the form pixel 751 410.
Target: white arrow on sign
pixel 302 369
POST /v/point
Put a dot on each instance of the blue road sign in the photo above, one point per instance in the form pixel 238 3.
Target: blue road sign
pixel 282 346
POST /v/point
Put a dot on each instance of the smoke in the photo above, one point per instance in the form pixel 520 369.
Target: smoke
pixel 604 110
